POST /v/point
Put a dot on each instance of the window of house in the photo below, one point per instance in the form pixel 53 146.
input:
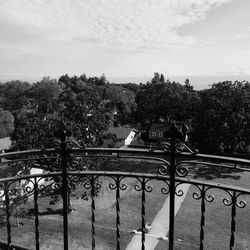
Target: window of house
pixel 160 134
pixel 154 134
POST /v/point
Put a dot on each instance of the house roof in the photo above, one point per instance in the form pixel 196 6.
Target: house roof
pixel 161 126
pixel 120 132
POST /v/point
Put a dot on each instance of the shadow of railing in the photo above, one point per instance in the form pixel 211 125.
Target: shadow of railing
pixel 102 199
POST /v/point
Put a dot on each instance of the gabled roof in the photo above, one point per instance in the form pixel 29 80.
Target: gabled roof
pixel 120 132
pixel 161 126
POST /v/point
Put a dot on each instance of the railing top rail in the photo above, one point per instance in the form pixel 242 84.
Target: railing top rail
pixel 158 153
pixel 163 153
pixel 28 152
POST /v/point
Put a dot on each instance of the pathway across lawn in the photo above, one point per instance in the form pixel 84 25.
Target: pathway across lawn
pixel 160 225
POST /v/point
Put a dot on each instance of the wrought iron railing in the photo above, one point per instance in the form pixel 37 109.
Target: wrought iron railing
pixel 68 168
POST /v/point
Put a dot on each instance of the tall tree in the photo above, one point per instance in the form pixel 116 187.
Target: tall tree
pixel 164 100
pixel 13 95
pixel 45 96
pixel 222 116
pixel 6 123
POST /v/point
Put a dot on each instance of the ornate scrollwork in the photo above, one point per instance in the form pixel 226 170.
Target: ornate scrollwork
pixel 73 181
pixel 148 188
pixel 164 169
pixel 179 192
pixel 143 185
pixel 165 190
pixel 233 199
pixel 181 171
pixel 182 147
pixel 165 146
pixel 49 186
pixel 30 186
pixel 117 183
pixel 74 144
pixel 241 203
pixel 227 202
pixel 203 190
pixel 74 165
pixel 91 182
pixel 86 182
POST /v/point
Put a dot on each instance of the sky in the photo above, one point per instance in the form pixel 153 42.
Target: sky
pixel 124 39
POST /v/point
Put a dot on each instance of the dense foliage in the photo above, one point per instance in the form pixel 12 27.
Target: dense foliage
pixel 219 117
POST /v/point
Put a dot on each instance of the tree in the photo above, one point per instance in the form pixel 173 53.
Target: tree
pixel 121 100
pixel 32 131
pixel 222 117
pixel 6 123
pixel 13 95
pixel 158 100
pixel 45 95
pixel 187 85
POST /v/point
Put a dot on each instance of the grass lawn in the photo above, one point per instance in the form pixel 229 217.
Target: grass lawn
pixel 217 228
pixel 187 228
pixel 50 221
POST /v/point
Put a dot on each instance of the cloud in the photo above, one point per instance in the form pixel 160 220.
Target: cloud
pixel 115 23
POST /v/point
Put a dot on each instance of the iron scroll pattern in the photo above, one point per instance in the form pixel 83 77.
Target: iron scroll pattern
pixel 117 182
pixel 179 148
pixel 17 191
pixel 232 200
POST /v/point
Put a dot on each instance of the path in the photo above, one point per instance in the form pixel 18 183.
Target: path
pixel 160 225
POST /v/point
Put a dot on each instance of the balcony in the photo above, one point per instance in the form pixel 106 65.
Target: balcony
pixel 97 198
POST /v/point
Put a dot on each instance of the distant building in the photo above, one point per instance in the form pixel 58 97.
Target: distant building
pixel 125 135
pixel 160 131
pixel 157 131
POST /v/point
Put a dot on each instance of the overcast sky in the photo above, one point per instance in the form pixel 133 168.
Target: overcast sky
pixel 124 37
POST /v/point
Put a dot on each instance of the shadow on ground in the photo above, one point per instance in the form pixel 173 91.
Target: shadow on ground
pixel 49 211
pixel 211 172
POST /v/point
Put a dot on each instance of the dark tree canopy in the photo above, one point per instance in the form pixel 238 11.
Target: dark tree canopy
pixel 158 100
pixel 219 116
pixel 222 116
pixel 13 95
pixel 6 123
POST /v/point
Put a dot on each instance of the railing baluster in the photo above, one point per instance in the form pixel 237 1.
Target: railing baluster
pixel 233 214
pixel 7 207
pixel 203 209
pixel 143 214
pixel 36 213
pixel 172 188
pixel 118 213
pixel 93 210
pixel 64 187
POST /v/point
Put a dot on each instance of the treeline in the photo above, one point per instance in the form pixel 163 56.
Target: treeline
pixel 219 117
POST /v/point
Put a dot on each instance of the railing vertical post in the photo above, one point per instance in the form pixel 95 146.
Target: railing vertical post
pixel 64 189
pixel 36 213
pixel 62 134
pixel 172 170
pixel 7 207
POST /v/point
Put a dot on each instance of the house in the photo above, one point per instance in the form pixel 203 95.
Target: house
pixel 157 131
pixel 160 131
pixel 125 135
